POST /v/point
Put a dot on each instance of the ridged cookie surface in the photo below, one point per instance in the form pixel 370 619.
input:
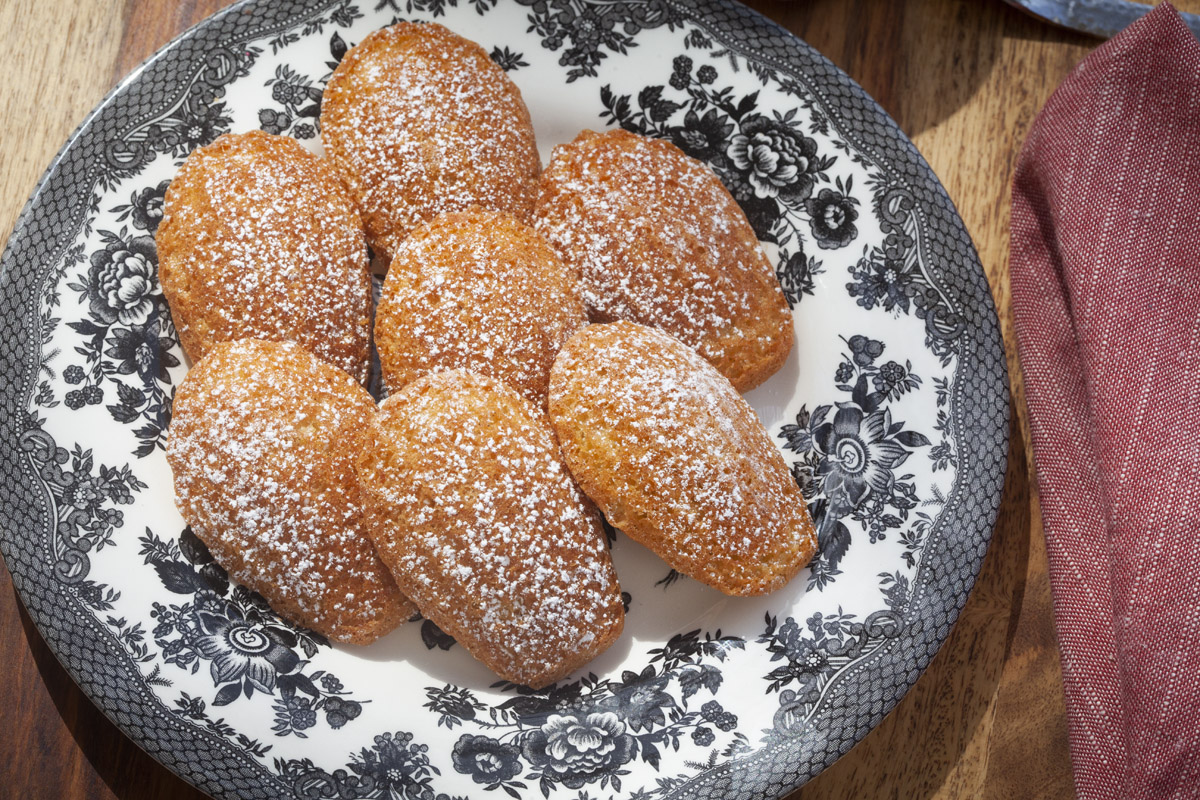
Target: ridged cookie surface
pixel 420 121
pixel 659 241
pixel 477 290
pixel 260 239
pixel 261 445
pixel 677 459
pixel 479 520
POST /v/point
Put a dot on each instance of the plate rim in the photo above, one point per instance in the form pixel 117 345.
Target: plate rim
pixel 20 357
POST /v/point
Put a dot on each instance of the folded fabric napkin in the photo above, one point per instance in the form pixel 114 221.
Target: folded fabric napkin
pixel 1105 270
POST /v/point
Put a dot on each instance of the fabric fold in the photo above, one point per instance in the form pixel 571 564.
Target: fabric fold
pixel 1105 271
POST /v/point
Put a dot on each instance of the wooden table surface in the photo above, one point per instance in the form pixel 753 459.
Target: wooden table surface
pixel 964 79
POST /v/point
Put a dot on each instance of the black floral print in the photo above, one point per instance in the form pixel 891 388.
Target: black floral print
pixel 145 207
pixel 718 716
pixel 454 705
pixel 248 649
pixel 681 76
pixel 857 455
pixel 831 218
pixel 240 649
pixel 895 379
pixel 584 31
pixel 295 714
pixel 777 160
pixel 128 333
pixel 86 519
pixel 851 454
pixel 702 137
pixel 641 700
pixel 433 636
pixel 396 767
pixel 143 350
pixel 393 768
pixel 198 130
pixel 486 760
pixel 122 280
pixel 273 122
pixel 796 275
pixel 579 748
pixel 814 652
pixel 195 119
pixel 507 60
pixel 884 280
pixel 863 352
pixel 196 710
pixel 299 100
pixel 891 276
pixel 589 731
pixel 338 711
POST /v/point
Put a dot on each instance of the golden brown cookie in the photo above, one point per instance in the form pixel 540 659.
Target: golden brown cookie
pixel 677 459
pixel 260 239
pixel 479 520
pixel 420 121
pixel 262 443
pixel 477 290
pixel 659 241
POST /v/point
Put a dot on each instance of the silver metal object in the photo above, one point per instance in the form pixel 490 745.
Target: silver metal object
pixel 1102 18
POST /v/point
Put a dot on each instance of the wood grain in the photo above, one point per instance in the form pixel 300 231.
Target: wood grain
pixel 964 81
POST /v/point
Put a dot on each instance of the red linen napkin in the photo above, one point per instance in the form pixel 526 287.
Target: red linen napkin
pixel 1105 270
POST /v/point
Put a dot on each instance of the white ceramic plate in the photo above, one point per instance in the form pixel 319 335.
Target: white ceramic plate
pixel 893 410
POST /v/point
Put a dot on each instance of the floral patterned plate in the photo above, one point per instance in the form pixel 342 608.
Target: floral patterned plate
pixel 892 411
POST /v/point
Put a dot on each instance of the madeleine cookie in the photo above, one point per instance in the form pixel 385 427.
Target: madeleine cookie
pixel 659 241
pixel 677 459
pixel 260 239
pixel 261 444
pixel 419 121
pixel 474 511
pixel 476 290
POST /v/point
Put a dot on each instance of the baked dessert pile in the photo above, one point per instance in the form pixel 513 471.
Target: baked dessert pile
pixel 552 342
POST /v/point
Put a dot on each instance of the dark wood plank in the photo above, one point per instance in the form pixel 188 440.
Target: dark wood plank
pixel 150 24
pixel 964 80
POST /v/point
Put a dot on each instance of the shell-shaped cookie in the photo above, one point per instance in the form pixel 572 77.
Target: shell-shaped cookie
pixel 677 459
pixel 658 240
pixel 420 121
pixel 474 511
pixel 477 290
pixel 261 446
pixel 260 239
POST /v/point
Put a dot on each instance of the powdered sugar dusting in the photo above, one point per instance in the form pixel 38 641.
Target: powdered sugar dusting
pixel 485 529
pixel 676 457
pixel 477 290
pixel 261 446
pixel 261 239
pixel 659 241
pixel 421 121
